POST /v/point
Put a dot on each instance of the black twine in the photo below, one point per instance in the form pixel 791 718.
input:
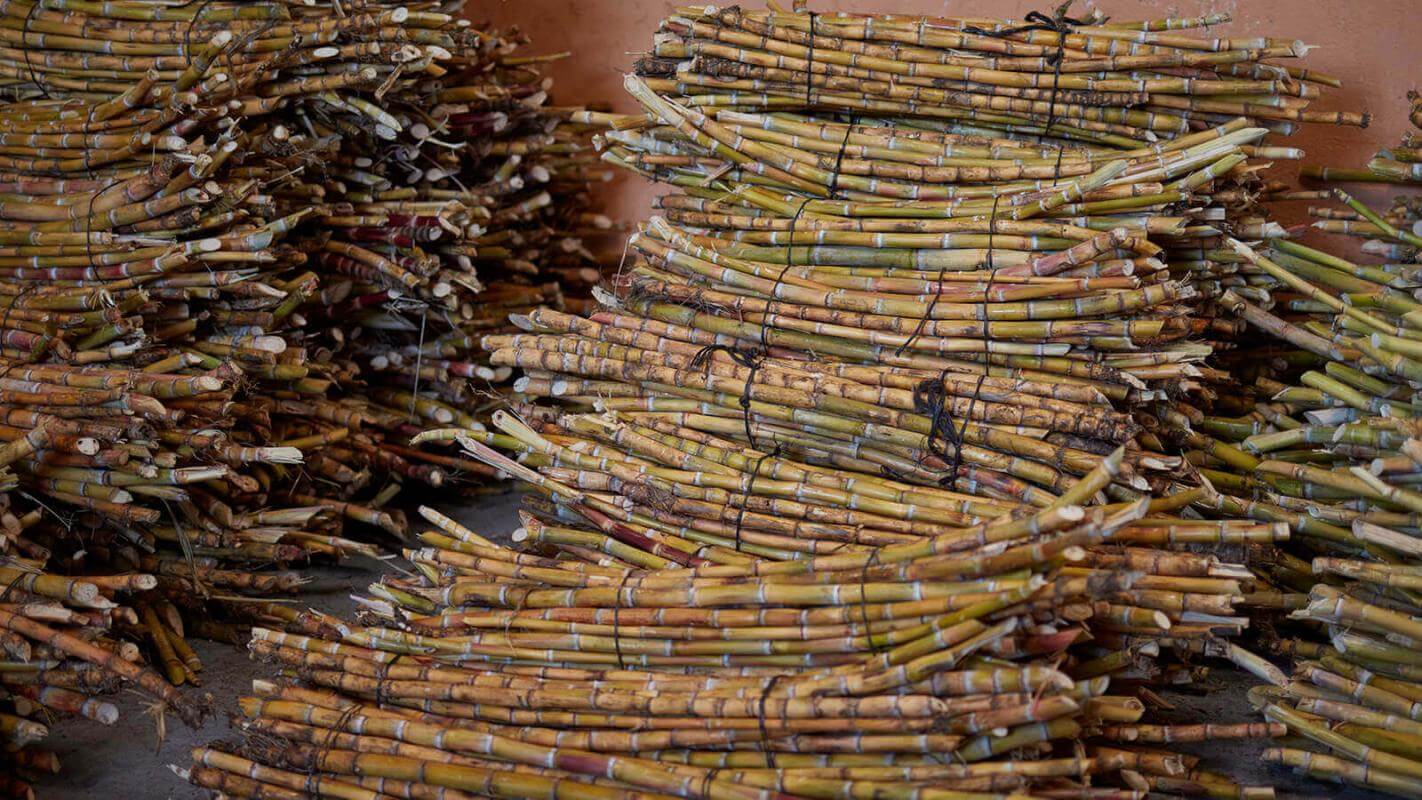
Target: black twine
pixel 616 620
pixel 13 586
pixel 750 359
pixel 764 732
pixel 789 262
pixel 318 756
pixel 750 489
pixel 382 677
pixel 188 33
pixel 810 64
pixel 5 326
pixel 931 398
pixel 991 264
pixel 1060 24
pixel 937 295
pixel 839 159
pixel 864 600
pixel 89 217
pixel 963 430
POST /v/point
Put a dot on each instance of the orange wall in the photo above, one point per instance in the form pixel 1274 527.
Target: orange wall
pixel 1374 45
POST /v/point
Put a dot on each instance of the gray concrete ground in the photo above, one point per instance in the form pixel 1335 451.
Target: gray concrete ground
pixel 125 761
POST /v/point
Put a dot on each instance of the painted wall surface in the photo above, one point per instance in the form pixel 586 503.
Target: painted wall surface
pixel 1374 45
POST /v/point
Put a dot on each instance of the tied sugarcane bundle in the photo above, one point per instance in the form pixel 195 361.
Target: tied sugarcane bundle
pixel 1094 81
pixel 1401 164
pixel 246 250
pixel 938 119
pixel 644 670
pixel 1330 445
pixel 848 133
pixel 677 483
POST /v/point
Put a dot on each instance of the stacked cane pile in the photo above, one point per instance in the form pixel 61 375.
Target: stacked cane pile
pixel 854 468
pixel 599 657
pixel 1327 439
pixel 248 250
pixel 1330 445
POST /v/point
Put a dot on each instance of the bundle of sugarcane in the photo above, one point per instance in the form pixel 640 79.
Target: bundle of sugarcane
pixel 1057 256
pixel 307 201
pixel 85 601
pixel 155 521
pixel 939 315
pixel 150 286
pixel 650 664
pixel 1331 446
pixel 1400 164
pixel 948 116
pixel 218 222
pixel 1092 81
pixel 674 478
pixel 501 230
pixel 477 208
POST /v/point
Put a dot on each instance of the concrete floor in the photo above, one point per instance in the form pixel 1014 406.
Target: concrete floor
pixel 125 761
